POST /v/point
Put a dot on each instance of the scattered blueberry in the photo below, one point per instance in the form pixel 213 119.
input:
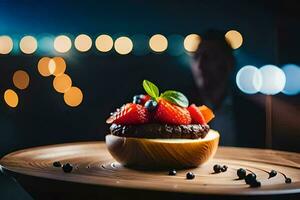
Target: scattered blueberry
pixel 241 173
pixel 288 180
pixel 217 168
pixel 151 105
pixel 56 164
pixel 137 99
pixel 224 168
pixel 255 184
pixel 272 173
pixel 67 167
pixel 250 178
pixel 190 175
pixel 172 172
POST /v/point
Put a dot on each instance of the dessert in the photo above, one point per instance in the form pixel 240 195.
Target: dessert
pixel 161 130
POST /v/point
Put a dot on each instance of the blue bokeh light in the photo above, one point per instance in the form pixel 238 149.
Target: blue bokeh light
pixel 249 79
pixel 45 44
pixel 273 79
pixel 292 85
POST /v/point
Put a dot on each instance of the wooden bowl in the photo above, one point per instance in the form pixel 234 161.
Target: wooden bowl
pixel 162 153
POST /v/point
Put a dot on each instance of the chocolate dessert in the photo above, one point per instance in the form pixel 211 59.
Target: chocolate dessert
pixel 154 131
pixel 158 130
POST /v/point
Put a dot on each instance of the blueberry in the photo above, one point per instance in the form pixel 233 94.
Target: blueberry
pixel 217 168
pixel 56 164
pixel 137 99
pixel 241 173
pixel 190 175
pixel 151 105
pixel 224 168
pixel 250 178
pixel 272 173
pixel 255 184
pixel 67 167
pixel 288 180
pixel 172 172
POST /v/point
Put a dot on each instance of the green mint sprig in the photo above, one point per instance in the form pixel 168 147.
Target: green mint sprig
pixel 151 89
pixel 170 95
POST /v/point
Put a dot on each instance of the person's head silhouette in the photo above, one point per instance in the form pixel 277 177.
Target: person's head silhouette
pixel 213 63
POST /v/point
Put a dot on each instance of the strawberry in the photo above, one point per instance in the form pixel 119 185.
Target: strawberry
pixel 171 114
pixel 197 116
pixel 129 114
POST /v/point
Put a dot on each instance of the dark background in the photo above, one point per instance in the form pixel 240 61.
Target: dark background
pixel 271 35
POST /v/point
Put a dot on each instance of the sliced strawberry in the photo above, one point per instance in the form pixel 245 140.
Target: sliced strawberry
pixel 171 114
pixel 129 114
pixel 207 113
pixel 197 116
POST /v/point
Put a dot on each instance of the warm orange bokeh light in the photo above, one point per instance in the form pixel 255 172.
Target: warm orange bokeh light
pixel 43 66
pixel 104 43
pixel 11 98
pixel 62 44
pixel 83 43
pixel 62 83
pixel 73 97
pixel 6 44
pixel 123 45
pixel 21 79
pixel 28 44
pixel 191 42
pixel 60 66
pixel 234 38
pixel 158 43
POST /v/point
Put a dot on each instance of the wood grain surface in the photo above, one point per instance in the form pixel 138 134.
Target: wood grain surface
pixel 94 166
pixel 163 153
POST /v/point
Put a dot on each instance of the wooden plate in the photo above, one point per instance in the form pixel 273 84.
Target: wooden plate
pixel 94 166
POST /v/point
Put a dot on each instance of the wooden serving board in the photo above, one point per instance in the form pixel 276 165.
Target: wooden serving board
pixel 95 168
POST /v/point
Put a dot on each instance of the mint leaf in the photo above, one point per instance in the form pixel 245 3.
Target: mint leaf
pixel 176 98
pixel 151 89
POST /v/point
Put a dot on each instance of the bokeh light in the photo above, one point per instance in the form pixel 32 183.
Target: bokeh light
pixel 234 38
pixel 6 44
pixel 158 43
pixel 292 74
pixel 59 66
pixel 45 44
pixel 249 79
pixel 51 66
pixel 11 98
pixel 21 79
pixel 43 66
pixel 123 45
pixel 28 44
pixel 62 44
pixel 62 83
pixel 104 43
pixel 73 97
pixel 191 42
pixel 273 79
pixel 83 43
